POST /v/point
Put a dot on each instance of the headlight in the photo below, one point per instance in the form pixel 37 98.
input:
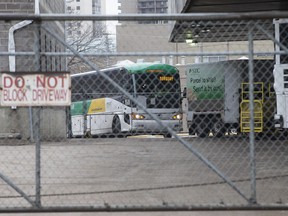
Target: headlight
pixel 177 117
pixel 137 116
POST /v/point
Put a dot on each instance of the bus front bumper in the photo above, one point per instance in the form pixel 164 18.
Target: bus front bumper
pixel 153 127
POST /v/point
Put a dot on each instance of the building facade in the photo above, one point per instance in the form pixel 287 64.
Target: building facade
pixel 154 36
pixel 147 36
pixel 84 7
pixel 20 36
pixel 145 7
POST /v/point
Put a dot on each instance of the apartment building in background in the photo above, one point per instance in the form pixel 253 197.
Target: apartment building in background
pixel 145 7
pixel 149 35
pixel 154 36
pixel 84 7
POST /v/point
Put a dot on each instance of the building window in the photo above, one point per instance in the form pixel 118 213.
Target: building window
pixel 78 8
pixel 77 0
pixel 97 8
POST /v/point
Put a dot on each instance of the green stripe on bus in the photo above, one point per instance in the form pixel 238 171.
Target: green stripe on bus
pixel 144 67
pixel 80 107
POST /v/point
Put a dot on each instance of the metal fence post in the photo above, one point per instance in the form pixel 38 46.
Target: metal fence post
pixel 251 108
pixel 37 122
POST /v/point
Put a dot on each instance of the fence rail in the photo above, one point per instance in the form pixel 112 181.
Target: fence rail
pixel 141 17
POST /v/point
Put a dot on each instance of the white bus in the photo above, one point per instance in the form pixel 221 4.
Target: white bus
pixel 98 107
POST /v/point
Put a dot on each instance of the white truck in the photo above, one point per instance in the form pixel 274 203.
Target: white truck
pixel 281 73
pixel 218 97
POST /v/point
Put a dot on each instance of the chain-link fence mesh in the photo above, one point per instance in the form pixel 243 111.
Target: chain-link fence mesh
pixel 160 117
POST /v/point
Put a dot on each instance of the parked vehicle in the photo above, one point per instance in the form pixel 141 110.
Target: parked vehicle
pixel 218 97
pixel 99 107
pixel 281 74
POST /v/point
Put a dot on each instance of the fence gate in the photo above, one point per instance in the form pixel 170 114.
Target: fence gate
pixel 175 113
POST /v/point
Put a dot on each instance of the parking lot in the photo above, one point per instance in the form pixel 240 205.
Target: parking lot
pixel 144 172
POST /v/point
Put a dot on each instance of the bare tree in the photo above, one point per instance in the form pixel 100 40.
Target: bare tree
pixel 89 37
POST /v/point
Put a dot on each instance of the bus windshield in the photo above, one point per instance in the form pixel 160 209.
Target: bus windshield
pixel 161 90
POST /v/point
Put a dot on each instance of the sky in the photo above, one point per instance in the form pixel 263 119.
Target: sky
pixel 111 8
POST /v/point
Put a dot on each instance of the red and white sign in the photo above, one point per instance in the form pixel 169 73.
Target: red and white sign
pixel 31 89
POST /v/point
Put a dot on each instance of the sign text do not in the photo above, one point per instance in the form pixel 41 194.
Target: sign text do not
pixel 30 89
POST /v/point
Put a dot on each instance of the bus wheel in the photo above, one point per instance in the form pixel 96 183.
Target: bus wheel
pixel 167 135
pixel 116 126
pixel 192 130
pixel 88 134
pixel 202 130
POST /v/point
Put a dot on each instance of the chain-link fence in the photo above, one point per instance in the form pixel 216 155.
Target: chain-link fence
pixel 170 114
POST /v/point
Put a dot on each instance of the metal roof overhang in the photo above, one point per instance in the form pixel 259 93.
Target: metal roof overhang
pixel 223 30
